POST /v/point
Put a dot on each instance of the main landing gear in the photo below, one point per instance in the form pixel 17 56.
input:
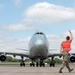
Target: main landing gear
pixel 42 63
pixel 52 63
pixel 22 63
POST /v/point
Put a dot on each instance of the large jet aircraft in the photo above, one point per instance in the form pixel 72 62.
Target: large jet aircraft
pixel 38 50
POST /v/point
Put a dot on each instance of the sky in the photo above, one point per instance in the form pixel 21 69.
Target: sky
pixel 20 19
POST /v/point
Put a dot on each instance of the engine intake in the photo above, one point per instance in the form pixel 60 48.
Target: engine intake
pixel 2 58
pixel 72 59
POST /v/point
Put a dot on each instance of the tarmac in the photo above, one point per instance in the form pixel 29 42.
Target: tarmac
pixel 17 70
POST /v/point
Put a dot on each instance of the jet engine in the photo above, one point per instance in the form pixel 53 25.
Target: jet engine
pixel 2 58
pixel 72 58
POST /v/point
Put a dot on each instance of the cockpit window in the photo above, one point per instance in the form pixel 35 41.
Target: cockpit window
pixel 39 33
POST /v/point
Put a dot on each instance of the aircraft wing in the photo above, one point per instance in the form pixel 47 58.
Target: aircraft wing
pixel 21 49
pixel 25 54
pixel 58 54
pixel 53 54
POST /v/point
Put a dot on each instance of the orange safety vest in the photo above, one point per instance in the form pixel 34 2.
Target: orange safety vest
pixel 66 45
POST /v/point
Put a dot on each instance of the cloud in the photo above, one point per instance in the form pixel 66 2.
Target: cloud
pixel 5 29
pixel 19 27
pixel 17 2
pixel 15 27
pixel 48 13
pixel 10 44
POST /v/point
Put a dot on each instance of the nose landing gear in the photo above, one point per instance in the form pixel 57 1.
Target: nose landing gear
pixel 32 64
pixel 40 63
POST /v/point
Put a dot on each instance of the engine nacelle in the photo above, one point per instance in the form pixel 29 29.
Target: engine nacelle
pixel 72 59
pixel 2 58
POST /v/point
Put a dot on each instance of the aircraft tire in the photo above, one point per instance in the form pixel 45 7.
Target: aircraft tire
pixel 37 64
pixel 32 64
pixel 22 64
pixel 50 65
pixel 53 65
pixel 43 64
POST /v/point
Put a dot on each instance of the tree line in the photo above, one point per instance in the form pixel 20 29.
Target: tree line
pixel 11 59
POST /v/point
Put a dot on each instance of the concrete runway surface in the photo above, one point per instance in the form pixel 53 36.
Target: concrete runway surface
pixel 16 70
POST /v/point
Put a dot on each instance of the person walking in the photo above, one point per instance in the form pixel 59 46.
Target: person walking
pixel 64 50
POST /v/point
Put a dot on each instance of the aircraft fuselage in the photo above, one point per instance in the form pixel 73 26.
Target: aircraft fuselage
pixel 38 46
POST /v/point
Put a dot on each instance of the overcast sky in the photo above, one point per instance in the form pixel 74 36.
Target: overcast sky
pixel 19 20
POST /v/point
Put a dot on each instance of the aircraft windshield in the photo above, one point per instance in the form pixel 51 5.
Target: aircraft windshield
pixel 39 33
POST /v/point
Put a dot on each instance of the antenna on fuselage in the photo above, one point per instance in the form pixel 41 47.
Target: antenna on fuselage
pixel 36 30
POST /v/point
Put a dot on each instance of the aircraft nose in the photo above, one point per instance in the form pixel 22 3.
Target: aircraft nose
pixel 39 44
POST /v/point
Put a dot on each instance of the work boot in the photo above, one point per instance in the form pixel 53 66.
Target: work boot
pixel 60 71
pixel 71 70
